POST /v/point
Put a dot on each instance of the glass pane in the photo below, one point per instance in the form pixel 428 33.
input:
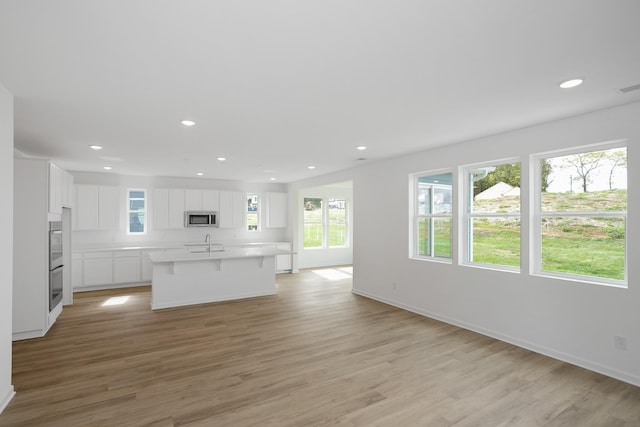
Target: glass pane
pixel 337 210
pixel 585 246
pixel 424 233
pixel 585 182
pixel 313 210
pixel 495 241
pixel 136 205
pixel 252 203
pixel 136 194
pixel 337 235
pixel 496 189
pixel 434 194
pixel 442 237
pixel 434 237
pixel 136 222
pixel 313 235
pixel 252 221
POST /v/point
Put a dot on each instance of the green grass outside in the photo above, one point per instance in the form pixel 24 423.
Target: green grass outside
pixel 313 229
pixel 582 246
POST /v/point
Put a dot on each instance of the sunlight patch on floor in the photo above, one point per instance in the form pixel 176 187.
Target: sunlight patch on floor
pixel 116 300
pixel 334 273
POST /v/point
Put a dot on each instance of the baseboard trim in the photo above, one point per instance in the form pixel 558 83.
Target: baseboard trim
pixel 7 398
pixel 565 357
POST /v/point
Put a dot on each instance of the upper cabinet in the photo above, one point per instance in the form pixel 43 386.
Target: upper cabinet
pixel 168 208
pixel 232 209
pixel 277 210
pixel 60 189
pixel 201 200
pixel 97 207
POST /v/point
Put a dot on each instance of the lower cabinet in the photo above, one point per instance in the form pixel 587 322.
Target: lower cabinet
pixel 101 269
pixel 284 262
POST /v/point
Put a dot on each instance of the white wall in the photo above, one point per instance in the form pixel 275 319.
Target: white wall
pixel 322 257
pixel 6 244
pixel 81 238
pixel 572 321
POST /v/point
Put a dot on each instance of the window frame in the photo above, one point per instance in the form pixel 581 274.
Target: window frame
pixel 145 211
pixel 538 215
pixel 466 216
pixel 325 222
pixel 414 251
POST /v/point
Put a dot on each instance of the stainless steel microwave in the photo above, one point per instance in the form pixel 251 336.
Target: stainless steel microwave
pixel 201 219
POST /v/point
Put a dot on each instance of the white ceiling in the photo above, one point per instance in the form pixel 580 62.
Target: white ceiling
pixel 278 85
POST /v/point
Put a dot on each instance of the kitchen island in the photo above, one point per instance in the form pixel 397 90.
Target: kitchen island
pixel 184 278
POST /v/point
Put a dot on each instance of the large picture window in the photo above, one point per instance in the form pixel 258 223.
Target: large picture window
pixel 432 215
pixel 492 215
pixel 581 214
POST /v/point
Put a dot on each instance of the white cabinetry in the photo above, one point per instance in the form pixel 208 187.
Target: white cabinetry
pixel 104 269
pixel 60 189
pixel 97 269
pixel 168 208
pixel 232 209
pixel 277 210
pixel 201 200
pixel 32 203
pixel 126 267
pixel 97 207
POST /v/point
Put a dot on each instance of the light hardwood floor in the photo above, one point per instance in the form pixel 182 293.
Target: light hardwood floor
pixel 312 355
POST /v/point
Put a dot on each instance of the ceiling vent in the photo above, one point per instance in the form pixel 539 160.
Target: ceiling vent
pixel 630 88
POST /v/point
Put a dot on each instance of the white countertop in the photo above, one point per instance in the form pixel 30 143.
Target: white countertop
pixel 162 245
pixel 231 253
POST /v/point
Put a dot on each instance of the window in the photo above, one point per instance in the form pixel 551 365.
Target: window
pixel 136 212
pixel 253 212
pixel 581 214
pixel 492 215
pixel 313 223
pixel 326 223
pixel 432 216
pixel 337 223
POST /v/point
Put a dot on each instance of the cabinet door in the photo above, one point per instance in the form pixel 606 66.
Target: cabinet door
pixel 108 208
pixel 210 200
pixel 55 189
pixel 98 271
pixel 126 269
pixel 176 208
pixel 67 189
pixel 161 209
pixel 225 213
pixel 147 267
pixel 192 200
pixel 277 210
pixel 86 210
pixel 239 209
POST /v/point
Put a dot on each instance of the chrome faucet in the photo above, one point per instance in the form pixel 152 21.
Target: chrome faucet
pixel 207 240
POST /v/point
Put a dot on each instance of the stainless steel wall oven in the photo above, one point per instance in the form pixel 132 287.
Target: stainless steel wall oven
pixel 56 267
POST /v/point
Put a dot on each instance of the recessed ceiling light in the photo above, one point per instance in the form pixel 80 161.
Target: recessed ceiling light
pixel 221 159
pixel 96 147
pixel 107 168
pixel 361 147
pixel 188 122
pixel 272 179
pixel 571 83
pixel 199 173
pixel 311 167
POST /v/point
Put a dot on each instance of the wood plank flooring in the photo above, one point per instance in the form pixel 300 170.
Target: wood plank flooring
pixel 312 355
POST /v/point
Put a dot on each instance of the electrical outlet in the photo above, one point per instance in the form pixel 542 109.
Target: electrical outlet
pixel 620 342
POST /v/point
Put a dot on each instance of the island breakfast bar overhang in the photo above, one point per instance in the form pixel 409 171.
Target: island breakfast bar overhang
pixel 182 278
